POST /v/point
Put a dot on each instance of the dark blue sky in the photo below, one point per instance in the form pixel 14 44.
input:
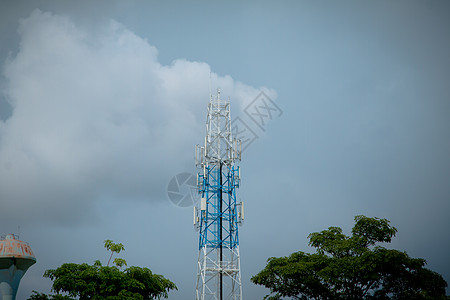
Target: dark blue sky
pixel 102 103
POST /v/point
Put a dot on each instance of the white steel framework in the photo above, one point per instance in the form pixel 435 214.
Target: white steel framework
pixel 218 217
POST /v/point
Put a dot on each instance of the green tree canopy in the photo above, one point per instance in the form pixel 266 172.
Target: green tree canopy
pixel 100 282
pixel 351 267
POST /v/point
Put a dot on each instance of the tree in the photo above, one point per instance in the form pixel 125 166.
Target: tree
pixel 351 267
pixel 111 246
pixel 100 282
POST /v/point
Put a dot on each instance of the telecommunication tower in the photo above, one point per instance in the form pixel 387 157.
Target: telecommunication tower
pixel 219 214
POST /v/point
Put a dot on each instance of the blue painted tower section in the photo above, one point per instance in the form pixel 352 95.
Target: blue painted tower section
pixel 219 220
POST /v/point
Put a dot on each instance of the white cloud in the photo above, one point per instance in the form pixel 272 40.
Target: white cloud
pixel 96 115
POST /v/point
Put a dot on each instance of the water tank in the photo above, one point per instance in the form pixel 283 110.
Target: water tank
pixel 15 259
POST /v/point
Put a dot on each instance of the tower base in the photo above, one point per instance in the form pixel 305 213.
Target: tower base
pixel 210 269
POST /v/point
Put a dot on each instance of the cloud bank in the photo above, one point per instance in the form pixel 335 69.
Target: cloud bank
pixel 96 116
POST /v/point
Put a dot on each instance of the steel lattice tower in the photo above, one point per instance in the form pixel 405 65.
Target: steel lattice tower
pixel 217 218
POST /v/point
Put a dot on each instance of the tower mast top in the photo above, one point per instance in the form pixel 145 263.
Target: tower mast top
pixel 220 147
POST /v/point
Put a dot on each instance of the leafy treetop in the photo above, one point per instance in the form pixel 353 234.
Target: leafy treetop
pixel 111 246
pixel 99 282
pixel 351 267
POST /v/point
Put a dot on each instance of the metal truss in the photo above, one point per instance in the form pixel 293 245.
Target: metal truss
pixel 219 214
pixel 208 272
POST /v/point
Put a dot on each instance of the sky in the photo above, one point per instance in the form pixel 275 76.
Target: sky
pixel 103 102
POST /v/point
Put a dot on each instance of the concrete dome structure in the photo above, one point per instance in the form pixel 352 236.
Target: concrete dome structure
pixel 15 259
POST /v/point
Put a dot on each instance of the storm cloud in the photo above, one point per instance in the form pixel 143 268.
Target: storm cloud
pixel 96 115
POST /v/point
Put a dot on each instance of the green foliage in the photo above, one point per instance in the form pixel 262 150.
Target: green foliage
pixel 120 262
pixel 111 246
pixel 351 267
pixel 100 282
pixel 103 282
pixel 39 296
